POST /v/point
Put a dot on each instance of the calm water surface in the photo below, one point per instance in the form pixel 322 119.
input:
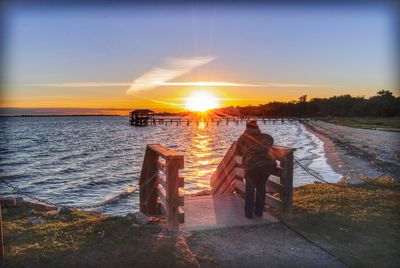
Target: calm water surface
pixel 87 160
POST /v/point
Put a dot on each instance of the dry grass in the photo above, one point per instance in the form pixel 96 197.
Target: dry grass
pixel 358 224
pixel 384 123
pixel 83 240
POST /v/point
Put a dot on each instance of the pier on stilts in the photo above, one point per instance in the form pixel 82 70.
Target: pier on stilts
pixel 152 120
pixel 160 182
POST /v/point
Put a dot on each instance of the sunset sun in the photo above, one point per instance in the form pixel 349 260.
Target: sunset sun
pixel 201 101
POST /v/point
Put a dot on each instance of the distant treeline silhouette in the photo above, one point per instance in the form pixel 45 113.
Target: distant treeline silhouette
pixel 382 104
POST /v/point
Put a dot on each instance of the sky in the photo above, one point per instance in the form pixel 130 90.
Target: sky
pixel 91 59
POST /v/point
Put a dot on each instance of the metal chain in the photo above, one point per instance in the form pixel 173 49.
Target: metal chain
pixel 320 178
pixel 22 192
pixel 311 172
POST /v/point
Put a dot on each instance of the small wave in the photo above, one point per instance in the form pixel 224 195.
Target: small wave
pixel 15 177
pixel 67 170
pixel 115 199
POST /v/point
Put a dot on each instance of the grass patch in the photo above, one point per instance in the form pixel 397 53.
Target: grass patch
pixel 83 240
pixel 384 123
pixel 358 224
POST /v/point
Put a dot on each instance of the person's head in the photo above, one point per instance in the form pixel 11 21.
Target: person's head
pixel 252 125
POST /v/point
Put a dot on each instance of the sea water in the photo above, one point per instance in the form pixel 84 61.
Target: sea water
pixel 89 160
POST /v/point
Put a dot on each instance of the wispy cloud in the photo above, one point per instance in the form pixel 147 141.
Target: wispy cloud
pixel 83 84
pixel 294 85
pixel 209 84
pixel 176 84
pixel 154 84
pixel 164 74
pixel 172 68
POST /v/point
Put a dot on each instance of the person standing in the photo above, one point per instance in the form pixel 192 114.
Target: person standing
pixel 253 146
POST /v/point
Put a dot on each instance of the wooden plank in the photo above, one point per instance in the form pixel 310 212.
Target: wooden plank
pixel 224 168
pixel 220 173
pixel 274 187
pixel 274 202
pixel 278 172
pixel 239 172
pixel 215 177
pixel 148 182
pixel 162 206
pixel 165 152
pixel 287 179
pixel 224 180
pixel 162 180
pixel 161 166
pixel 283 148
pixel 240 185
pixel 269 187
pixel 181 215
pixel 276 152
pixel 181 200
pixel 224 187
pixel 231 188
pixel 279 152
pixel 173 198
pixel 181 181
pixel 275 179
pixel 239 160
pixel 162 195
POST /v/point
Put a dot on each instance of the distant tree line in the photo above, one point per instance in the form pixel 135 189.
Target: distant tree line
pixel 382 104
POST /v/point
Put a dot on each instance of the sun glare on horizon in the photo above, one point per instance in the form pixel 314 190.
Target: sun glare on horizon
pixel 201 101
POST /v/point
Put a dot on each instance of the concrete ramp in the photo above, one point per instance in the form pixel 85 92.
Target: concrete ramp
pixel 216 212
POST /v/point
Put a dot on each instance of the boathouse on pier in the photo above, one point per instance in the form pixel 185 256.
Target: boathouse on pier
pixel 140 117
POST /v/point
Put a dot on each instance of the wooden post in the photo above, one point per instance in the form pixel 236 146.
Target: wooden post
pixel 148 195
pixel 287 181
pixel 172 195
pixel 159 192
pixel 1 237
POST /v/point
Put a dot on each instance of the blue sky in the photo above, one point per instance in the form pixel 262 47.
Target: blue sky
pixel 327 50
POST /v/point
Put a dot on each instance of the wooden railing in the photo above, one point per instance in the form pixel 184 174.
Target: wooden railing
pixel 159 184
pixel 229 178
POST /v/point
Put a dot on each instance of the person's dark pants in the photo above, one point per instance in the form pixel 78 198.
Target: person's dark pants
pixel 256 180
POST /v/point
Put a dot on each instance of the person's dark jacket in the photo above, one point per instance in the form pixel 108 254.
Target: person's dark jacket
pixel 253 146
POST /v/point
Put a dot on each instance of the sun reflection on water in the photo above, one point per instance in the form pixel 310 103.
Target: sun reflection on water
pixel 201 125
pixel 202 164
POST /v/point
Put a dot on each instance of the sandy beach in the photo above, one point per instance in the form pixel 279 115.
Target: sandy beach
pixel 355 152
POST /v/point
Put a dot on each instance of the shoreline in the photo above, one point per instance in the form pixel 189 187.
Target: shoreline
pixel 348 160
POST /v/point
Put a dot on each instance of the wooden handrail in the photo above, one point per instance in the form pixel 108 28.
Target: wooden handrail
pixel 159 193
pixel 165 152
pixel 229 178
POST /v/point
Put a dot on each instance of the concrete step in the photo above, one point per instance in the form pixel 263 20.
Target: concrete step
pixel 216 212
